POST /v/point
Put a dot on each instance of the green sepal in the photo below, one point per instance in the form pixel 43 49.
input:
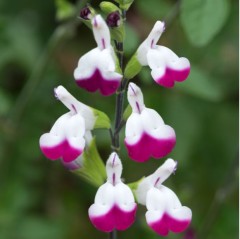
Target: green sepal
pixel 88 23
pixel 102 120
pixel 124 4
pixel 108 7
pixel 133 186
pixel 133 67
pixel 65 10
pixel 93 169
pixel 127 113
pixel 118 33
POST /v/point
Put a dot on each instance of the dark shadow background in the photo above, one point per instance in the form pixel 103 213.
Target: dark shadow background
pixel 40 199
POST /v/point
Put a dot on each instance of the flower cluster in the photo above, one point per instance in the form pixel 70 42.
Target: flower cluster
pixel 146 134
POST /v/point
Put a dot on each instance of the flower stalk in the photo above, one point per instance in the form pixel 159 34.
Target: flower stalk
pixel 120 94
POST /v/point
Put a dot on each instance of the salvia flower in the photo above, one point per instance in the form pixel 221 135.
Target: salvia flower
pixel 146 133
pixel 114 206
pixel 164 211
pixel 166 66
pixel 97 69
pixel 66 139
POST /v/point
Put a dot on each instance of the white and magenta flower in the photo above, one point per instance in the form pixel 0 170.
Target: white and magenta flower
pixel 67 137
pixel 146 133
pixel 164 211
pixel 97 69
pixel 114 206
pixel 166 66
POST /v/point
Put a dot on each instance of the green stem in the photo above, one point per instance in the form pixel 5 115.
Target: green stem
pixel 119 107
pixel 120 96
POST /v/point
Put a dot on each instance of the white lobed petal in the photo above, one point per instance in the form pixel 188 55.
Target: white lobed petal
pixel 75 130
pixel 163 57
pixel 134 128
pixel 103 60
pixel 57 132
pixel 124 198
pixel 104 200
pixel 156 203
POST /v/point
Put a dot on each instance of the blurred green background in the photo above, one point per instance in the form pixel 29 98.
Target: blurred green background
pixel 40 44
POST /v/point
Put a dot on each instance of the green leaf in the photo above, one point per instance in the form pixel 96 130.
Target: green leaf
pixel 65 9
pixel 127 112
pixel 102 120
pixel 202 85
pixel 133 67
pixel 203 19
pixel 154 9
pixel 124 4
pixel 118 33
pixel 132 40
pixel 93 169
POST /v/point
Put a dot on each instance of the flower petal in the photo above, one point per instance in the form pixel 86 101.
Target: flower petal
pixel 52 143
pixel 96 71
pixel 165 212
pixel 111 210
pixel 167 67
pixel 101 32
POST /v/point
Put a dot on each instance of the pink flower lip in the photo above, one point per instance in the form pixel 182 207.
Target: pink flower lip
pixel 167 223
pixel 171 75
pixel 97 82
pixel 64 150
pixel 147 147
pixel 115 218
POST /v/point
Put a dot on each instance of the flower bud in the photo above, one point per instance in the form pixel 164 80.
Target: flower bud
pixel 86 13
pixel 114 19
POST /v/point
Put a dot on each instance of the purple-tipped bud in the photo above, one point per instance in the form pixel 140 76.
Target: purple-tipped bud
pixel 85 13
pixel 114 19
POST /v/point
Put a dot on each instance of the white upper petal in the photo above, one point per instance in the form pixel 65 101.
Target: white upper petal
pixel 101 32
pixel 114 169
pixel 155 179
pixel 150 42
pixel 163 172
pixel 76 106
pixel 135 98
